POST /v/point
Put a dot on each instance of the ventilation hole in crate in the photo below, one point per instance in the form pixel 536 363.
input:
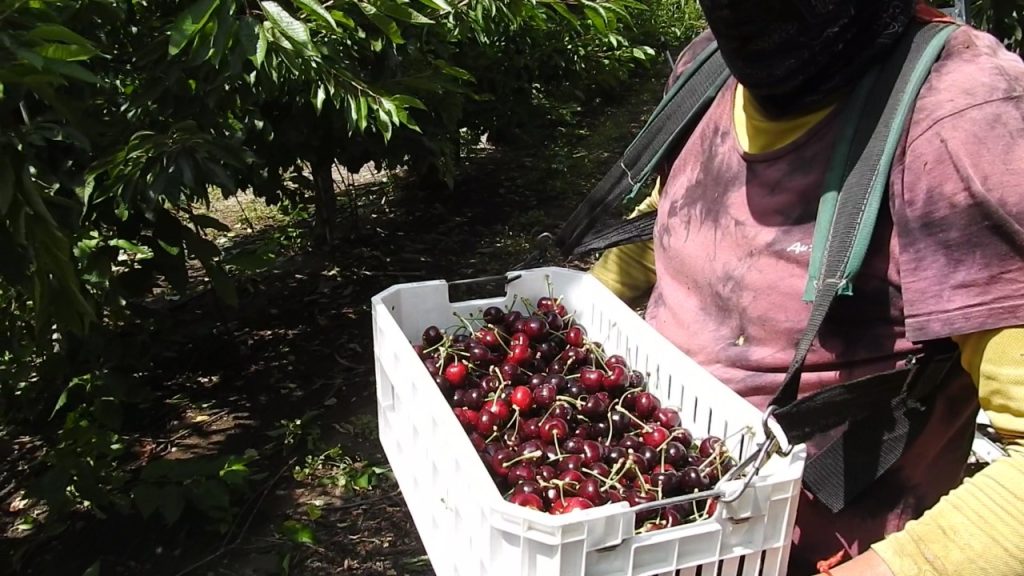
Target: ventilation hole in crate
pixel 739 566
pixel 668 391
pixel 743 446
pixel 700 570
pixel 721 567
pixel 710 412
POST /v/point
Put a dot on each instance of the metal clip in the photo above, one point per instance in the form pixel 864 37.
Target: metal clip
pixel 775 443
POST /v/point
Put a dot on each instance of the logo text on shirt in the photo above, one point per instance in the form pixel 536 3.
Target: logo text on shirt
pixel 799 248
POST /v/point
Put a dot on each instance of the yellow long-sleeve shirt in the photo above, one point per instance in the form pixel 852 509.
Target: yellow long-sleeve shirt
pixel 977 529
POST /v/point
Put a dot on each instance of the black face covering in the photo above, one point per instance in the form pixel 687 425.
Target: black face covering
pixel 796 55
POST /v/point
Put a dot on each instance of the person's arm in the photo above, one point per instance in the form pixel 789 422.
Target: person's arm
pixel 977 529
pixel 628 270
pixel 959 222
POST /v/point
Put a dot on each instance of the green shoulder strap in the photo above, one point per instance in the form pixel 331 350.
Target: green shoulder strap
pixel 858 142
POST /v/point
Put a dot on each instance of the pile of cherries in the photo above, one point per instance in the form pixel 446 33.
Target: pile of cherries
pixel 561 425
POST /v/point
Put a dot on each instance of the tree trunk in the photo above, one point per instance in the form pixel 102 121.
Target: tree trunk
pixel 325 200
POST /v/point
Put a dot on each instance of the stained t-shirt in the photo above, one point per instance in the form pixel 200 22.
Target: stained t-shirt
pixel 733 239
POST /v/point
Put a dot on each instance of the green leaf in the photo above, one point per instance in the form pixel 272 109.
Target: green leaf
pixel 248 37
pixel 438 5
pixel 172 266
pixel 66 52
pixel 565 12
pixel 222 284
pixel 93 570
pixel 453 70
pixel 386 25
pixel 131 247
pixel 408 102
pixel 292 29
pixel 298 532
pixel 6 184
pixel 33 197
pixel 210 496
pixel 85 191
pixel 147 498
pixel 30 57
pixel 227 28
pixel 207 221
pixel 71 70
pixel 171 503
pixel 188 23
pixel 235 472
pixel 343 18
pixel 318 101
pixel 597 16
pixel 63 399
pixel 261 45
pixel 402 13
pixel 313 511
pixel 58 33
pixel 201 248
pixel 316 10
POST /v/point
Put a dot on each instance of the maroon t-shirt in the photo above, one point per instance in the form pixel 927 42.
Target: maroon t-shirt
pixel 733 240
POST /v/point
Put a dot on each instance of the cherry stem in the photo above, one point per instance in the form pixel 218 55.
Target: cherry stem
pixel 627 466
pixel 464 322
pixel 634 418
pixel 607 482
pixel 502 342
pixel 612 478
pixel 641 477
pixel 528 456
pixel 548 413
pixel 515 420
pixel 569 400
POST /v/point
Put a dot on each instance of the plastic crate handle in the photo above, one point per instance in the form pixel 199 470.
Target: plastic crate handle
pixel 481 288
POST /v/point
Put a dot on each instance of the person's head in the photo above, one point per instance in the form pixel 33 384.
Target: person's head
pixel 796 54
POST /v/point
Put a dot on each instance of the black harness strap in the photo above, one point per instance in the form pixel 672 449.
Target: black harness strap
pixel 882 412
pixel 597 223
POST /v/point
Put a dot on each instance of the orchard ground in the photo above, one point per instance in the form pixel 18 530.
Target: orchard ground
pixel 288 377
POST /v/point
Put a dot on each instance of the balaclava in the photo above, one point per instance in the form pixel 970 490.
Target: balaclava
pixel 795 55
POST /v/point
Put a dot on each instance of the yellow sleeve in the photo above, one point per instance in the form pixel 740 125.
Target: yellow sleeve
pixel 977 529
pixel 628 270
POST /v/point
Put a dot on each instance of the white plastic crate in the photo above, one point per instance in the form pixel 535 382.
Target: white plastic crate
pixel 466 526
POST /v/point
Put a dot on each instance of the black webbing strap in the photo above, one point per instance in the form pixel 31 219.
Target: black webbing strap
pixel 876 409
pixel 865 397
pixel 876 436
pixel 597 223
pixel 878 120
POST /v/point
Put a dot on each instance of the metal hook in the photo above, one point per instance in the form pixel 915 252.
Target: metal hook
pixel 775 443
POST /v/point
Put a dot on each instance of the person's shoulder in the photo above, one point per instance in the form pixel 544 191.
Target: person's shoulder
pixel 689 53
pixel 973 71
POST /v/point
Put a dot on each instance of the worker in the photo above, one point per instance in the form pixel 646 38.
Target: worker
pixel 724 275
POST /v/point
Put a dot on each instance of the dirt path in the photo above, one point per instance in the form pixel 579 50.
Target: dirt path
pixel 289 373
